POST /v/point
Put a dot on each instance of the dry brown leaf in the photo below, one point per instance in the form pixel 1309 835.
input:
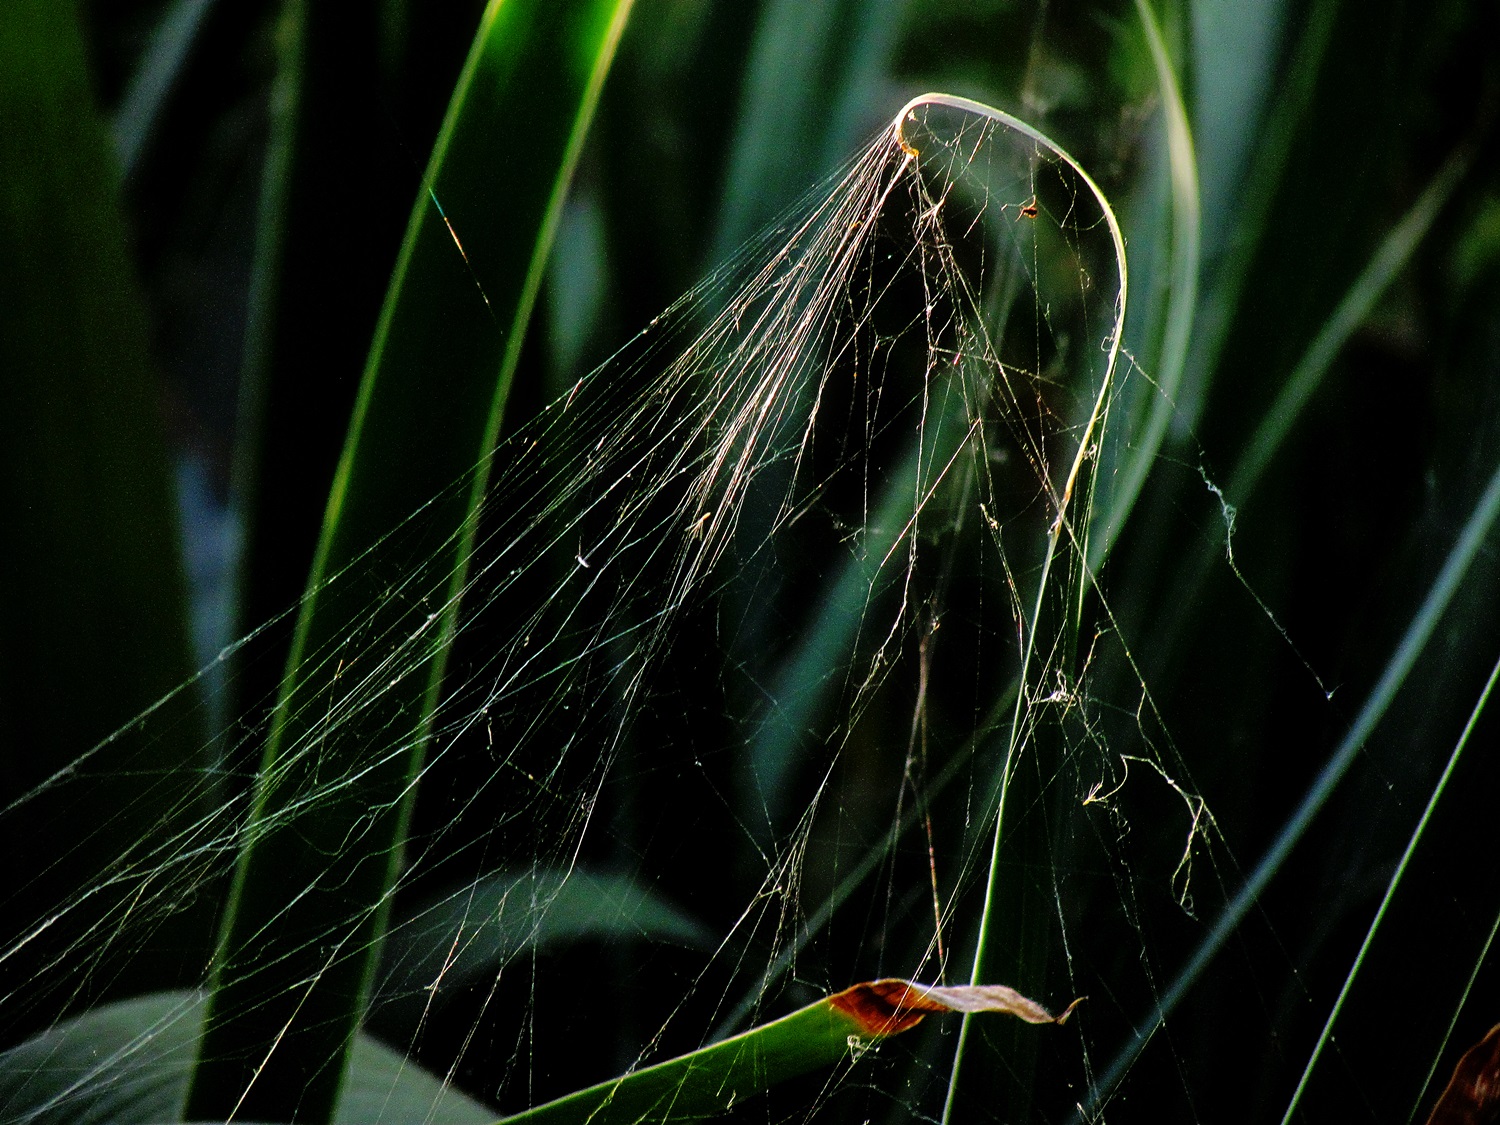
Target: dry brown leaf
pixel 1473 1093
pixel 885 1007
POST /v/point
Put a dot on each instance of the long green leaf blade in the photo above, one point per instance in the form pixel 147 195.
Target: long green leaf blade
pixel 128 1063
pixel 1182 293
pixel 301 938
pixel 712 1080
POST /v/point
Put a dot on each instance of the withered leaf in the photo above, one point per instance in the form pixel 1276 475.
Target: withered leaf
pixel 1473 1093
pixel 885 1007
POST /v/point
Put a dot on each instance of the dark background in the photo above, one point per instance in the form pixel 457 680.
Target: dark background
pixel 232 434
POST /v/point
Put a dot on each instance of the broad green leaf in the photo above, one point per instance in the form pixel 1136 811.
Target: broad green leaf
pixel 128 1063
pixel 477 931
pixel 301 937
pixel 836 1029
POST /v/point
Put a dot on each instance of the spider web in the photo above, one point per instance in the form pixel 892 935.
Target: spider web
pixel 781 665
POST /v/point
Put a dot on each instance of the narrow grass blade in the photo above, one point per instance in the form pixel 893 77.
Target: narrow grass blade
pixel 1233 251
pixel 352 115
pixel 1468 991
pixel 324 845
pixel 1390 890
pixel 1145 441
pixel 1352 310
pixel 1312 368
pixel 832 1030
pixel 161 63
pixel 1012 918
pixel 1476 530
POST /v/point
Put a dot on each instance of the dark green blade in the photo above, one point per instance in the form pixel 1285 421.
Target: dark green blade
pixel 301 938
pixel 837 1028
pixel 93 630
pixel 129 1062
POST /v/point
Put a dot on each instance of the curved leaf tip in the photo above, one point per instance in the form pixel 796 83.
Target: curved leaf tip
pixel 890 1006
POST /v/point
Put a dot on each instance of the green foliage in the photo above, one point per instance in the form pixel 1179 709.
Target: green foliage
pixel 1277 625
pixel 545 65
pixel 94 631
pixel 132 1061
pixel 505 917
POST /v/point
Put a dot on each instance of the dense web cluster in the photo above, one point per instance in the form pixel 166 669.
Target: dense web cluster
pixel 779 663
